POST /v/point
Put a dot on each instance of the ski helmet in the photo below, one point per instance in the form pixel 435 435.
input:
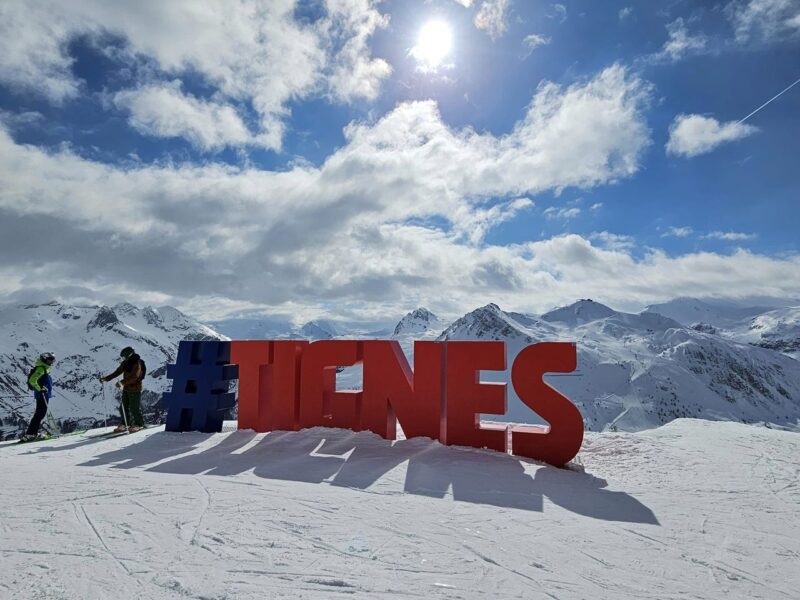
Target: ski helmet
pixel 126 352
pixel 47 358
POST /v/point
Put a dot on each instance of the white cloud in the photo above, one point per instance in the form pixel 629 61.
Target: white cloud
pixel 492 17
pixel 680 43
pixel 596 206
pixel 692 135
pixel 163 110
pixel 730 236
pixel 764 20
pixel 613 241
pixel 678 232
pixel 464 3
pixel 534 41
pixel 246 234
pixel 474 223
pixel 14 120
pixel 624 13
pixel 558 12
pixel 554 212
pixel 354 73
pixel 252 52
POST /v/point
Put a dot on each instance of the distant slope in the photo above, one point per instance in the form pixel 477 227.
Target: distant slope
pixel 775 329
pixel 689 311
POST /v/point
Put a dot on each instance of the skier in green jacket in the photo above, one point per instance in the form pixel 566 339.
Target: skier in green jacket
pixel 131 369
pixel 41 383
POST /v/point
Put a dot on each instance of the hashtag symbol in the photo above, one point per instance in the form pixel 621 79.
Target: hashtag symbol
pixel 200 393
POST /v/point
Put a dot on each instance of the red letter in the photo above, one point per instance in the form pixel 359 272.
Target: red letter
pixel 320 403
pixel 283 388
pixel 252 358
pixel 392 391
pixel 467 397
pixel 559 443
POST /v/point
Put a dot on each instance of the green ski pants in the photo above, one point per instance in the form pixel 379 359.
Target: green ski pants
pixel 132 405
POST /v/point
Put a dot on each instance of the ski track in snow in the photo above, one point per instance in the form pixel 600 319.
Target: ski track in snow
pixel 694 509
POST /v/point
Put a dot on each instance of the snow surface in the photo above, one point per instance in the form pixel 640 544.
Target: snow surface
pixel 694 509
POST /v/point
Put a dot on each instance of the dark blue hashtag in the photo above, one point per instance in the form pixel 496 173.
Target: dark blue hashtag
pixel 200 393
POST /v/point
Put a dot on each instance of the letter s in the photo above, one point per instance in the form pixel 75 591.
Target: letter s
pixel 561 441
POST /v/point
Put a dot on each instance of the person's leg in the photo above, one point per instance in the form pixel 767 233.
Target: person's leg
pixel 36 420
pixel 136 408
pixel 125 409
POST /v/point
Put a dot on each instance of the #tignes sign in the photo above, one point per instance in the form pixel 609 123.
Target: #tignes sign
pixel 288 385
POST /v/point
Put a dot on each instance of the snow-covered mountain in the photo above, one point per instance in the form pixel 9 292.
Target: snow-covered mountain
pixel 254 328
pixel 86 340
pixel 776 329
pixel 278 328
pixel 418 321
pixel 319 330
pixel 583 311
pixel 637 371
pixel 690 311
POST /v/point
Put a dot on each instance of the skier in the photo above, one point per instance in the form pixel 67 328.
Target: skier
pixel 132 370
pixel 41 383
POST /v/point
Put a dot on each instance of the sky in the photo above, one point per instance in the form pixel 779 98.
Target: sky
pixel 355 159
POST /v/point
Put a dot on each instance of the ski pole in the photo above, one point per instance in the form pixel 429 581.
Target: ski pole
pixel 105 404
pixel 124 416
pixel 48 416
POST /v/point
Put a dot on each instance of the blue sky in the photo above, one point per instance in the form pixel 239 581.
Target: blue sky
pixel 327 159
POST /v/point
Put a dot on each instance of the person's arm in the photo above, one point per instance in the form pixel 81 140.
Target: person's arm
pixel 115 374
pixel 133 375
pixel 33 380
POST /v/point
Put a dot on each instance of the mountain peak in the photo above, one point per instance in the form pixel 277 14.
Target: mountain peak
pixel 105 317
pixel 582 311
pixel 417 321
pixel 319 329
pixel 485 323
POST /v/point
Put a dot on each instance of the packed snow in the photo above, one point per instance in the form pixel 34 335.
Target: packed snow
pixel 694 509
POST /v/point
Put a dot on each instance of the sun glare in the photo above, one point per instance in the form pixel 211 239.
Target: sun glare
pixel 434 42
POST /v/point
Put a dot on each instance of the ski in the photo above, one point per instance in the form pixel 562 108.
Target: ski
pixel 109 434
pixel 43 438
pixel 85 433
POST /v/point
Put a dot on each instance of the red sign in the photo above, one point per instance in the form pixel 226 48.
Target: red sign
pixel 289 385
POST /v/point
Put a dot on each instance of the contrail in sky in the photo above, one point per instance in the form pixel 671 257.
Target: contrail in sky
pixel 770 100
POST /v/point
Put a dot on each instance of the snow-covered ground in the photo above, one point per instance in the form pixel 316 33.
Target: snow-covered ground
pixel 694 509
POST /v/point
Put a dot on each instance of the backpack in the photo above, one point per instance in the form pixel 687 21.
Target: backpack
pixel 128 366
pixel 30 374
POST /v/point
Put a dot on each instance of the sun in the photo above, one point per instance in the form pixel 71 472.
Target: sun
pixel 434 42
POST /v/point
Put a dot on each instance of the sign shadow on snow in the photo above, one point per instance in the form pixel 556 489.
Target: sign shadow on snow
pixel 359 461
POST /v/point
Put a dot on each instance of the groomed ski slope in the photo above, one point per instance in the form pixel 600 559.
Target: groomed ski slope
pixel 694 509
